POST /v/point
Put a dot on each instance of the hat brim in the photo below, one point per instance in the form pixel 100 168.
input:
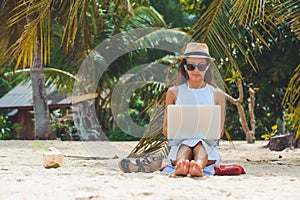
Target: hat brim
pixel 198 56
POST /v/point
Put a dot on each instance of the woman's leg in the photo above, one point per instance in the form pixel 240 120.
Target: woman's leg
pixel 182 163
pixel 200 160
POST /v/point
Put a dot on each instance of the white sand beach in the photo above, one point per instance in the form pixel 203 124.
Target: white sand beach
pixel 269 174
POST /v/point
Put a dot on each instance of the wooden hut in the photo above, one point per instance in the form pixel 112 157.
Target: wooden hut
pixel 17 104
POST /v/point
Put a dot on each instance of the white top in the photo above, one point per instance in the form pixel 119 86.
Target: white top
pixel 191 96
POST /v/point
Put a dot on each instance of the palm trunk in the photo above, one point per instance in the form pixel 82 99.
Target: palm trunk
pixel 40 106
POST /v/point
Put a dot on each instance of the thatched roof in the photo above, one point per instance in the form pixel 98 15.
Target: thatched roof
pixel 20 97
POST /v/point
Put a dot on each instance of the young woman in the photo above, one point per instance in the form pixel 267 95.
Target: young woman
pixel 196 87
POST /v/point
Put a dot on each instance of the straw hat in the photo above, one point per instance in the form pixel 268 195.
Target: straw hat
pixel 197 50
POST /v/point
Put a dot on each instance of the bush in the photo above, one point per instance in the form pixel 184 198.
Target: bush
pixel 62 127
pixel 8 130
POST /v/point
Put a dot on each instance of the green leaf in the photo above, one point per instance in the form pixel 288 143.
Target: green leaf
pixel 40 145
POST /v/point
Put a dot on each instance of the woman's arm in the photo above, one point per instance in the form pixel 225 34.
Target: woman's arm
pixel 220 100
pixel 170 99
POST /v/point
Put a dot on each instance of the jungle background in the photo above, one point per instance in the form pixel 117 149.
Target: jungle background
pixel 267 61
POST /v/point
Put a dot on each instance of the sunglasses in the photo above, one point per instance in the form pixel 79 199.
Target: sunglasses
pixel 200 67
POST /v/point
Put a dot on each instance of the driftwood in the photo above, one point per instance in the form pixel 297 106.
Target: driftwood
pixel 281 142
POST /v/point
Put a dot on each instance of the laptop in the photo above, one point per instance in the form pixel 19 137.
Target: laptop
pixel 194 121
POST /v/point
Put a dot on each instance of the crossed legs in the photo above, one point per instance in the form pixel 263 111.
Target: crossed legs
pixel 184 166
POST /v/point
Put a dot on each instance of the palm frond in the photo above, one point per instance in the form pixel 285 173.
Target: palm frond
pixel 214 29
pixel 153 140
pixel 144 17
pixel 291 100
pixel 229 138
pixel 55 78
pixel 252 15
pixel 246 12
pixel 164 39
pixel 292 95
pixel 36 32
pixel 225 26
pixel 289 11
pixel 76 17
pixel 8 34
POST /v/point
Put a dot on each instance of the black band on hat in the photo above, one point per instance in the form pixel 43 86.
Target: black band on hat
pixel 197 53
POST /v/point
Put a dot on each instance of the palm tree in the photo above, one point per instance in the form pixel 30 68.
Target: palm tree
pixel 30 48
pixel 31 26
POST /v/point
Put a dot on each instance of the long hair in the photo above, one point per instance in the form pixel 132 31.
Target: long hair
pixel 183 76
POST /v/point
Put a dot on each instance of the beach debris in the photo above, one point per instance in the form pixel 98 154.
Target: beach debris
pixel 52 158
pixel 87 198
pixel 283 142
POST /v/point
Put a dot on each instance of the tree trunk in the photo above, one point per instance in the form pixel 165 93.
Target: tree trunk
pixel 40 106
pixel 250 134
pixel 251 109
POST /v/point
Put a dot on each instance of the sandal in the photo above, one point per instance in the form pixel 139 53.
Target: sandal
pixel 127 166
pixel 153 161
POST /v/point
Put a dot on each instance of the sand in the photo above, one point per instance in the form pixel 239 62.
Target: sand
pixel 269 174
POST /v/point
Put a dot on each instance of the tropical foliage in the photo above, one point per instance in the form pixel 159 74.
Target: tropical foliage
pixel 248 30
pixel 8 129
pixel 36 30
pixel 255 40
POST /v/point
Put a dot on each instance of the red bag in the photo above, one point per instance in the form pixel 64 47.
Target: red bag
pixel 229 169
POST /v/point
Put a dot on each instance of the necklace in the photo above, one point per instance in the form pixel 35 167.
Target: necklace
pixel 201 86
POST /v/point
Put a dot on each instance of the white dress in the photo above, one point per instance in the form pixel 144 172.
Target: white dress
pixel 201 96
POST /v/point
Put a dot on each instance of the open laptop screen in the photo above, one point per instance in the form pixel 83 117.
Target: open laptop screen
pixel 194 121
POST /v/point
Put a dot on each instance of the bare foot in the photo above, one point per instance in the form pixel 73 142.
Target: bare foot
pixel 182 167
pixel 195 169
